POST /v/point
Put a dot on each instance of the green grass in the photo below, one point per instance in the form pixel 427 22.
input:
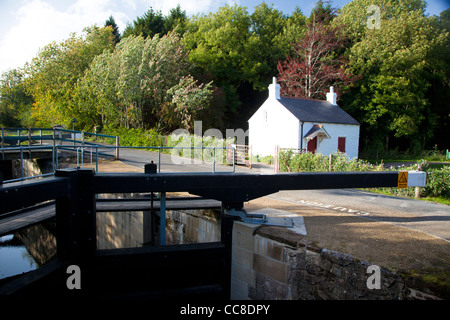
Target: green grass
pixel 441 200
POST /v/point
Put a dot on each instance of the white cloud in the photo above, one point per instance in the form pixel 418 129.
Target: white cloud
pixel 35 23
pixel 38 23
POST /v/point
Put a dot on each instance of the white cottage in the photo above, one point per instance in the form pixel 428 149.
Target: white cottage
pixel 313 125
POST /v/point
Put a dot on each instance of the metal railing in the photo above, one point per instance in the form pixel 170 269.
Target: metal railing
pixel 15 136
pixel 93 152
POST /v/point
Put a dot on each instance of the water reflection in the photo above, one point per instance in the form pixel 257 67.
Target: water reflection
pixel 129 229
pixel 27 249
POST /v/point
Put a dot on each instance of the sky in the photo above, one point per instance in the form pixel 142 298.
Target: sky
pixel 28 25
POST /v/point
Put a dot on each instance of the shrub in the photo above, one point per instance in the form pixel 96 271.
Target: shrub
pixel 308 162
pixel 438 182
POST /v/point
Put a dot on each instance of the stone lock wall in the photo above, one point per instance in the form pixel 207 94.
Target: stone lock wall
pixel 269 265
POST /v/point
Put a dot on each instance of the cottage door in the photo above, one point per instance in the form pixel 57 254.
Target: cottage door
pixel 312 145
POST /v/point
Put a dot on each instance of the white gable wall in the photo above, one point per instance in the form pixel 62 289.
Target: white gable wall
pixel 271 125
pixel 329 146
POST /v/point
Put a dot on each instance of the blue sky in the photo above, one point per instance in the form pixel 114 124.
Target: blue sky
pixel 28 25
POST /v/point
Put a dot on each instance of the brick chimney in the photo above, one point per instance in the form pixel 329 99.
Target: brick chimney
pixel 274 89
pixel 332 96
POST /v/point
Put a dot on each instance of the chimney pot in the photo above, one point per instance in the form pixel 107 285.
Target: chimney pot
pixel 332 96
pixel 274 89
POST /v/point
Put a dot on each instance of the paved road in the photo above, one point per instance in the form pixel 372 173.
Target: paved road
pixel 171 163
pixel 423 216
pixel 430 218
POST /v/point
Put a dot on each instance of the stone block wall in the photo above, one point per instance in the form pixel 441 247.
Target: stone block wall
pixel 271 265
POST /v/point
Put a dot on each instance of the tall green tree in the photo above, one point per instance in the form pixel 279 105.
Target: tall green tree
pixel 15 103
pixel 265 45
pixel 111 22
pixel 395 63
pixel 240 52
pixel 154 22
pixel 52 75
pixel 144 83
pixel 217 44
pixel 358 14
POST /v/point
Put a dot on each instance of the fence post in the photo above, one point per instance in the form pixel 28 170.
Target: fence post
pixel 417 189
pixel 21 162
pixel 162 219
pixel 276 160
pixel 116 153
pixel 214 159
pixel 330 162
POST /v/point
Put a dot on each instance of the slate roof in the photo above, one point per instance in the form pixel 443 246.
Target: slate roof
pixel 315 131
pixel 316 111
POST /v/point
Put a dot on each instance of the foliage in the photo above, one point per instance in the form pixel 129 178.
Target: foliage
pixel 136 137
pixel 316 162
pixel 198 147
pixel 398 67
pixel 144 83
pixel 189 98
pixel 52 76
pixel 314 64
pixel 15 103
pixel 115 29
pixel 167 71
pixel 438 179
pixel 154 22
pixel 236 49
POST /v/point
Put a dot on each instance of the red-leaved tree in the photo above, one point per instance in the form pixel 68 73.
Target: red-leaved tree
pixel 315 63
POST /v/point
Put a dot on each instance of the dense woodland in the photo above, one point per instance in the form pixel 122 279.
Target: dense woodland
pixel 165 71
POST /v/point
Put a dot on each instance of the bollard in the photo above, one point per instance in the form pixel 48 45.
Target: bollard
pixel 150 168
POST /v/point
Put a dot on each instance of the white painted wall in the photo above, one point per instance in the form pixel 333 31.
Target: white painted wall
pixel 328 146
pixel 271 125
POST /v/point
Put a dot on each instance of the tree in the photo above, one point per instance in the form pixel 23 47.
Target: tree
pixel 314 64
pixel 176 20
pixel 144 83
pixel 396 63
pixel 322 11
pixel 355 14
pixel 189 98
pixel 154 22
pixel 53 75
pixel 15 103
pixel 151 23
pixel 112 23
pixel 217 46
pixel 265 45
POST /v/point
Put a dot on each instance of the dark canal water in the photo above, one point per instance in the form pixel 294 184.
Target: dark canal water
pixel 32 247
